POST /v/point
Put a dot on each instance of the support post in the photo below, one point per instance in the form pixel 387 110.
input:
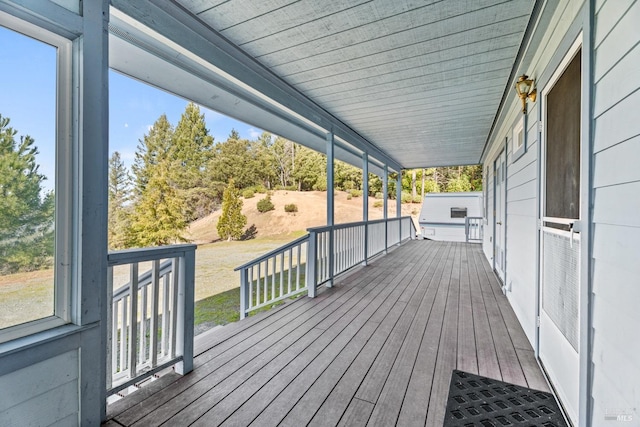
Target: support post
pixel 385 203
pixel 399 204
pixel 186 286
pixel 330 203
pixel 365 204
pixel 244 292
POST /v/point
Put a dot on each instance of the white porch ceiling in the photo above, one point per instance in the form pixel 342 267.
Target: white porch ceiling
pixel 421 80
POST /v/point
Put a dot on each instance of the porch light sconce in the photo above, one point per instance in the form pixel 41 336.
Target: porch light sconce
pixel 525 89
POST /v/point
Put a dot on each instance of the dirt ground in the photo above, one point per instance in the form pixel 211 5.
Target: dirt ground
pixel 312 212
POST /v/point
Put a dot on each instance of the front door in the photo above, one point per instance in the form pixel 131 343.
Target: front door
pixel 499 217
pixel 560 232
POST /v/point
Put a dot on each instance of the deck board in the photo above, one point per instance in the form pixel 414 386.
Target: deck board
pixel 376 349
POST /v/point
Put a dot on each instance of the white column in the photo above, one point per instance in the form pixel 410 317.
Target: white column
pixel 385 203
pixel 399 204
pixel 365 204
pixel 330 203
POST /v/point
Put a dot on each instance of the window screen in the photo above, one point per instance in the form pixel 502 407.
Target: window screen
pixel 458 212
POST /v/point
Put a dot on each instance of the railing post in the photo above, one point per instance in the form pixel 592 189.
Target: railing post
pixel 412 228
pixel 186 312
pixel 466 229
pixel 244 292
pixel 311 274
pixel 332 257
pixel 385 203
pixel 366 244
pixel 399 205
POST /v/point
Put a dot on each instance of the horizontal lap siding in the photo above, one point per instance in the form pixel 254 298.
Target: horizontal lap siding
pixel 522 184
pixel 42 394
pixel 616 271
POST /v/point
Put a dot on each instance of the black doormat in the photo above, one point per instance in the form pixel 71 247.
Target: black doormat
pixel 476 401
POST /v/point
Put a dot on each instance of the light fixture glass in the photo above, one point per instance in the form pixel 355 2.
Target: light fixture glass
pixel 524 89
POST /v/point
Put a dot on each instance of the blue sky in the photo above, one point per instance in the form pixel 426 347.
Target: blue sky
pixel 28 99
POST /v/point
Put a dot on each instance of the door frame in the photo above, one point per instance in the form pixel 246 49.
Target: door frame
pixel 585 219
pixel 504 152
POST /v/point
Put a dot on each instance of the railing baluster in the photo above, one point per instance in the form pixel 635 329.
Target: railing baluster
pixel 133 325
pixel 165 315
pixel 175 285
pixel 153 327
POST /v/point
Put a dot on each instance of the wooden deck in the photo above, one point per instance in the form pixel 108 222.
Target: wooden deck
pixel 377 349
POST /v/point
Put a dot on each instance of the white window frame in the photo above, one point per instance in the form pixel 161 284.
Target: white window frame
pixel 64 178
pixel 519 139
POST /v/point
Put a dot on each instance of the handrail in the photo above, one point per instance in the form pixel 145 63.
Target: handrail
pixel 474 228
pixel 150 322
pixel 274 276
pixel 273 252
pixel 330 250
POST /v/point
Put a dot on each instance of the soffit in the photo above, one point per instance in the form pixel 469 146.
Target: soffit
pixel 421 80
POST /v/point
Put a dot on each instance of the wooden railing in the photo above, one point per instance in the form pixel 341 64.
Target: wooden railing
pixel 150 322
pixel 316 259
pixel 274 276
pixel 473 228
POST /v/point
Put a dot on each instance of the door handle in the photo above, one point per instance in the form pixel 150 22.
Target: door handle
pixel 499 222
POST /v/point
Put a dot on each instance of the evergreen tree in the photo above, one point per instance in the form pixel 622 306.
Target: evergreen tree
pixel 232 221
pixel 233 159
pixel 26 215
pixel 159 214
pixel 119 208
pixel 191 152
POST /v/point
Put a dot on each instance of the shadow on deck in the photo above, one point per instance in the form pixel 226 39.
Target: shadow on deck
pixel 376 349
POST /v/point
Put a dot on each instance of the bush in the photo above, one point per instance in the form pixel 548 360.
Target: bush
pixel 406 197
pixel 378 195
pixel 291 188
pixel 265 205
pixel 417 199
pixel 261 189
pixel 378 204
pixel 349 196
pixel 291 207
pixel 320 186
pixel 248 193
pixel 349 185
pixel 355 193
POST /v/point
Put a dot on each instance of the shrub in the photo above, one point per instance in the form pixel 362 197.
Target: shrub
pixel 378 195
pixel 291 207
pixel 320 186
pixel 406 197
pixel 349 185
pixel 349 196
pixel 265 205
pixel 261 189
pixel 291 188
pixel 378 204
pixel 355 193
pixel 417 199
pixel 248 193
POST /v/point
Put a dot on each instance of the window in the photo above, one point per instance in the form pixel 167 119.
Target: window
pixel 34 197
pixel 458 212
pixel 519 139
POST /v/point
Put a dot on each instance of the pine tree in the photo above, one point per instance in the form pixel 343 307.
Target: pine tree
pixel 26 215
pixel 192 150
pixel 159 214
pixel 119 207
pixel 232 221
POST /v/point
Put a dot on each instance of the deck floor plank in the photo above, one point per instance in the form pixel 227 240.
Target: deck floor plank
pixel 377 348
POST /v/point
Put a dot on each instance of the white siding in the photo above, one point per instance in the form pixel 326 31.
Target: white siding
pixel 522 175
pixel 42 394
pixel 616 280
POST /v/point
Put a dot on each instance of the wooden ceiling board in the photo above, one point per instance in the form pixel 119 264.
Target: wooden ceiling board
pixel 428 73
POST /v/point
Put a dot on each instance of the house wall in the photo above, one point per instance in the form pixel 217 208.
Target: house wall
pixel 616 213
pixel 558 23
pixel 58 376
